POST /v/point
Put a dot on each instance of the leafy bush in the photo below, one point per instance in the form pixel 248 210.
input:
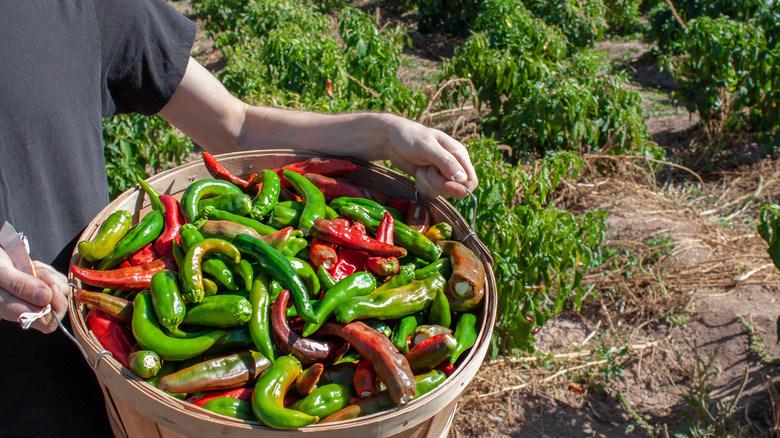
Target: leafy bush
pixel 454 17
pixel 539 99
pixel 135 144
pixel 666 29
pixel 579 109
pixel 283 52
pixel 540 252
pixel 622 16
pixel 728 74
pixel 582 21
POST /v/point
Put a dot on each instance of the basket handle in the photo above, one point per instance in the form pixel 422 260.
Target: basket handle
pixel 102 353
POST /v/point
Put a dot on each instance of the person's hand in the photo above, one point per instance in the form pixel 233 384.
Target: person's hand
pixel 20 293
pixel 439 163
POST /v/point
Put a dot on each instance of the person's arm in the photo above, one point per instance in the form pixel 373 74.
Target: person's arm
pixel 205 111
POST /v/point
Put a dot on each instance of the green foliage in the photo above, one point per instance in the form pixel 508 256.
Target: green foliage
pixel 666 29
pixel 135 144
pixel 728 75
pixel 582 21
pixel 769 230
pixel 622 16
pixel 578 109
pixel 453 17
pixel 284 53
pixel 540 252
pixel 540 99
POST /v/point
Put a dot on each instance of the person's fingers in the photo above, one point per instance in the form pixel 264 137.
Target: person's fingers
pixel 24 293
pixel 430 182
pixel 453 161
pixel 12 307
pixel 58 283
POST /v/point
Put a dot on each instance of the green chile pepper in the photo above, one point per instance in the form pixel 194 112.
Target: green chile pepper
pixel 150 336
pixel 148 229
pixel 226 372
pixel 325 400
pixel 393 303
pixel 307 274
pixel 404 276
pixel 279 268
pixel 313 199
pixel 379 325
pixel 465 335
pixel 236 338
pixel 268 195
pixel 166 299
pixel 330 213
pixel 291 311
pixel 285 214
pixel 326 280
pixel 269 392
pixel 404 236
pixel 404 328
pixel 236 203
pixel 442 266
pixel 424 383
pixel 439 312
pixel 191 274
pixel 357 284
pixel 154 196
pixel 377 209
pixel 215 267
pixel 111 231
pixel 230 407
pixel 205 188
pixel 245 271
pixel 144 363
pixel 221 215
pixel 221 311
pixel 259 323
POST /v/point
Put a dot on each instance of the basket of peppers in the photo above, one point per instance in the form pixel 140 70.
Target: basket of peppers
pixel 285 292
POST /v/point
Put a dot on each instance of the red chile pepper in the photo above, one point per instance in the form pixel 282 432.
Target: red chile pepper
pixel 349 261
pixel 144 255
pixel 468 272
pixel 334 188
pixel 308 351
pixel 113 335
pixel 365 379
pixel 132 278
pixel 219 171
pixel 308 378
pixel 116 307
pixel 322 166
pixel 323 253
pixel 244 394
pixel 418 217
pixel 446 368
pixel 389 364
pixel 384 266
pixel 353 239
pixel 431 352
pixel 174 219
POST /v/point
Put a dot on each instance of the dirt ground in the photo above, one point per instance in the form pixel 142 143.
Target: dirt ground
pixel 691 325
pixel 681 338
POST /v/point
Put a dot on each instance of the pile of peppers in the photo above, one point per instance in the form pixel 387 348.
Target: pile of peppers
pixel 289 297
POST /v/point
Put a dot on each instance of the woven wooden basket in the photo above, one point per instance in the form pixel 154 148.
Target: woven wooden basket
pixel 137 409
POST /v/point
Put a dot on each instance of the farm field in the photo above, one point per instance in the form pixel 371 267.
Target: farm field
pixel 664 322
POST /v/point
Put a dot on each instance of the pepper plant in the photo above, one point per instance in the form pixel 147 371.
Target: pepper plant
pixel 135 144
pixel 540 252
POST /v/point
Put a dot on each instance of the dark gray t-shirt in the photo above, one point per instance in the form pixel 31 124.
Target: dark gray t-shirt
pixel 65 65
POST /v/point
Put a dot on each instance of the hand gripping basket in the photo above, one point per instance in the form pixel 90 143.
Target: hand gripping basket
pixel 137 409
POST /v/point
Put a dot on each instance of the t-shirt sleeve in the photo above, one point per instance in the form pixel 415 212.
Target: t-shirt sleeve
pixel 145 48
